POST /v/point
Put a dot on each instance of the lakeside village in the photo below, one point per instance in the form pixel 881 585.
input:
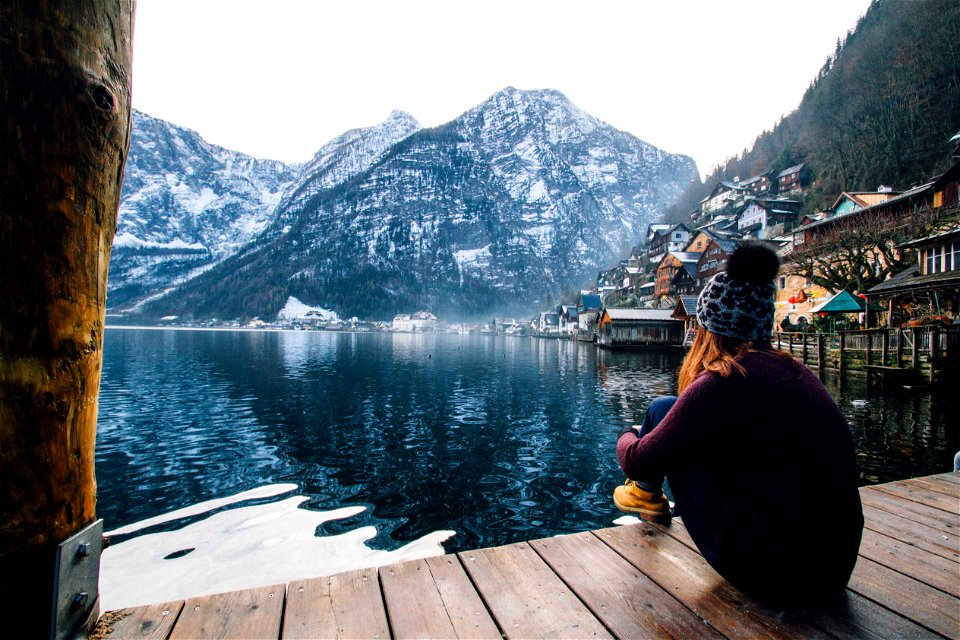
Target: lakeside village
pixel 908 241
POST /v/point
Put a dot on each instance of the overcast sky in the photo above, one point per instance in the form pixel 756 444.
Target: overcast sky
pixel 279 78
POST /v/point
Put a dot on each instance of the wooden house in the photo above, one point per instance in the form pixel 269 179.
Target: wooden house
pixel 793 179
pixel 627 328
pixel 757 218
pixel 714 259
pixel 725 194
pixel 760 184
pixel 685 282
pixel 931 289
pixel 672 239
pixel 850 201
pixel 686 310
pixel 946 187
pixel 667 270
pixel 890 209
pixel 698 243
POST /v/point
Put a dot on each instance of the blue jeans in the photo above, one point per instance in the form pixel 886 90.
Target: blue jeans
pixel 658 408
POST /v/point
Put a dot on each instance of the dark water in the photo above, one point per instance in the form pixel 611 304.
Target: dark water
pixel 500 439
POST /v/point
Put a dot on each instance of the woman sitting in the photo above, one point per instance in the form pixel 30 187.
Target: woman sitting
pixel 758 457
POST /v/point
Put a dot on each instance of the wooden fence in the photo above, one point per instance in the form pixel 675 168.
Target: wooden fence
pixel 921 351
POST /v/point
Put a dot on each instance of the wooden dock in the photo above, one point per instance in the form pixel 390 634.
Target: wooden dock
pixel 635 581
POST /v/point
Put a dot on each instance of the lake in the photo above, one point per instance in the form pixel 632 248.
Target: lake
pixel 405 442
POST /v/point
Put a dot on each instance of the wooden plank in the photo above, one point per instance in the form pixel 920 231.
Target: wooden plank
pixel 526 597
pixel 344 605
pixel 686 576
pixel 855 616
pixel 910 598
pixel 941 543
pixel 677 531
pixel 308 611
pixel 467 612
pixel 628 602
pixel 934 483
pixel 434 599
pixel 920 495
pixel 251 613
pixel 952 477
pixel 928 568
pixel 152 622
pixel 929 516
pixel 870 620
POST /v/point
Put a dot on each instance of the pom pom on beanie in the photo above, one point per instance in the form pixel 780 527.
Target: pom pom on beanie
pixel 738 302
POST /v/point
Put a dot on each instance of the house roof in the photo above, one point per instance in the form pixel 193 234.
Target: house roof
pixel 684 256
pixel 865 199
pixel 756 178
pixel 690 268
pixel 843 302
pixel 931 239
pixel 947 176
pixel 727 246
pixel 906 195
pixel 590 301
pixel 685 304
pixel 911 280
pixel 789 170
pixel 639 314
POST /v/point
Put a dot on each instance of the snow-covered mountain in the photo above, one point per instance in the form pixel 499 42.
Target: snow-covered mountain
pixel 185 206
pixel 339 160
pixel 519 198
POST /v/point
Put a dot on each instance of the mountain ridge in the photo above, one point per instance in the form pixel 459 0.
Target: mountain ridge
pixel 510 203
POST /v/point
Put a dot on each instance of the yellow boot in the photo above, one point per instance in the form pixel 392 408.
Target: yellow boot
pixel 652 506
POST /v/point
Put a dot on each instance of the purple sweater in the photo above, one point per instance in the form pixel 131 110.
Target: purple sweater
pixel 763 471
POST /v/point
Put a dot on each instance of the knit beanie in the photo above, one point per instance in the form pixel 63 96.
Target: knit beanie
pixel 738 302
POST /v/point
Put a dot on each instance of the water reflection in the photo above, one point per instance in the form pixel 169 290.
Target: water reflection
pixel 498 439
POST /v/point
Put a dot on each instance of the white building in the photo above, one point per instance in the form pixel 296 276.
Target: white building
pixel 421 321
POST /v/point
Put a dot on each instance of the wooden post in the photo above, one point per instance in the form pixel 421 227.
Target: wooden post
pixel 64 135
pixel 791 343
pixel 899 346
pixel 884 346
pixel 934 347
pixel 915 352
pixel 821 365
pixel 804 350
pixel 843 347
pixel 869 348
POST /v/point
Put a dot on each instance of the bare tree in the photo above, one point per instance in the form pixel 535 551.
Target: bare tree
pixel 862 251
pixel 64 135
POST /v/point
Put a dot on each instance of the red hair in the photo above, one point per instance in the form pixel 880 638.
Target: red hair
pixel 713 352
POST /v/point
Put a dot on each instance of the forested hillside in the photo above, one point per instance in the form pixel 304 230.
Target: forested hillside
pixel 880 111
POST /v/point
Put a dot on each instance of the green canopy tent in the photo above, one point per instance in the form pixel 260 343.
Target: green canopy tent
pixel 841 304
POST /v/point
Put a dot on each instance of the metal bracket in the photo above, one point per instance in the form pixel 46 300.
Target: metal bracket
pixel 76 581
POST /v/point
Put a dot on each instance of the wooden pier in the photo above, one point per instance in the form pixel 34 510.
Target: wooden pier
pixel 635 581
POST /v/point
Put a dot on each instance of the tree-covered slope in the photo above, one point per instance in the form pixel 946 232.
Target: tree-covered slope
pixel 880 111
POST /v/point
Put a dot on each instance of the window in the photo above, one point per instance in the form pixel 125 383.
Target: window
pixel 782 283
pixel 956 256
